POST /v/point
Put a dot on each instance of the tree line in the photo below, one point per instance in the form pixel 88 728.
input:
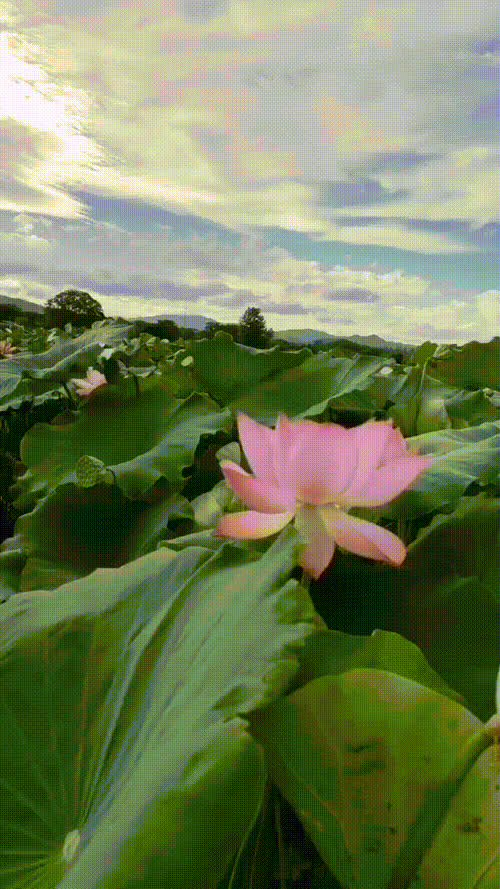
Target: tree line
pixel 80 309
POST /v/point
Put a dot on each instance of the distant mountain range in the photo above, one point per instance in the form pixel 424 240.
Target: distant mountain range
pixel 22 304
pixel 197 322
pixel 310 336
pixel 305 336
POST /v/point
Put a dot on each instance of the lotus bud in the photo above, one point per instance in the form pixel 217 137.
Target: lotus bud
pixel 231 451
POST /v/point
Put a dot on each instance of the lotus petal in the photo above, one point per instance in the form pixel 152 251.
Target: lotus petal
pixel 387 482
pixel 315 459
pixel 362 537
pixel 252 525
pixel 257 442
pixel 257 493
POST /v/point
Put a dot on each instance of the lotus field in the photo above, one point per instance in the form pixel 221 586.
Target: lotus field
pixel 249 615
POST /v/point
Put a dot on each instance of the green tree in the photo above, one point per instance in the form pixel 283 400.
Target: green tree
pixel 165 329
pixel 211 328
pixel 75 306
pixel 253 330
pixel 232 329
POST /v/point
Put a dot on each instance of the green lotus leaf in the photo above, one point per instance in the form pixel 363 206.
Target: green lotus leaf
pixel 471 409
pixel 421 353
pixel 360 405
pixel 332 653
pixel 462 458
pixel 61 539
pixel 222 367
pixel 474 365
pixel 383 773
pixel 307 389
pixel 11 565
pixel 423 404
pixel 140 438
pixel 444 598
pixel 28 375
pixel 125 759
pixel 467 838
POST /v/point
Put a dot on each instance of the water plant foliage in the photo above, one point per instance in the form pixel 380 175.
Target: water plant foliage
pixel 167 696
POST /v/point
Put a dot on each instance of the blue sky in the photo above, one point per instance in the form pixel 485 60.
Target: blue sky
pixel 336 165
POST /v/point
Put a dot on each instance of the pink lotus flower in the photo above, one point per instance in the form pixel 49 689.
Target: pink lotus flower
pixel 313 473
pixel 7 349
pixel 94 381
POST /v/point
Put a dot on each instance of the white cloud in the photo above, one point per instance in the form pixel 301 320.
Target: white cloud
pixel 42 131
pixel 462 185
pixel 291 294
pixel 488 307
pixel 24 248
pixel 355 123
pixel 402 237
pixel 227 109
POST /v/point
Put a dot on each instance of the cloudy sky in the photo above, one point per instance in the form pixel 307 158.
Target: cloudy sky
pixel 334 163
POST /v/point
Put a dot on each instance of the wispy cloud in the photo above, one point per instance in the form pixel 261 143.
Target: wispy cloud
pixel 354 127
pixel 224 108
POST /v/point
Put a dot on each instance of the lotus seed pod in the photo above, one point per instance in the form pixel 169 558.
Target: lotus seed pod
pixel 88 471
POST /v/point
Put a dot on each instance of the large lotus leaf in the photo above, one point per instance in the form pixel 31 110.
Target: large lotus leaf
pixel 174 378
pixel 10 379
pixel 442 599
pixel 467 841
pixel 451 571
pixel 306 389
pixel 423 405
pixel 141 438
pixel 473 366
pixel 367 403
pixel 462 457
pixel 72 531
pixel 278 849
pixel 11 565
pixel 460 547
pixel 27 375
pixel 221 367
pixel 378 768
pixel 420 354
pixel 124 760
pixel 334 653
pixel 471 409
pixel 168 378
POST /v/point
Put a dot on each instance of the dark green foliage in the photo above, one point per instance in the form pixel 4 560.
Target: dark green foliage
pixel 188 333
pixel 232 329
pixel 15 422
pixel 75 306
pixel 213 327
pixel 253 331
pixel 8 312
pixel 278 853
pixel 166 329
pixel 205 471
pixel 10 470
